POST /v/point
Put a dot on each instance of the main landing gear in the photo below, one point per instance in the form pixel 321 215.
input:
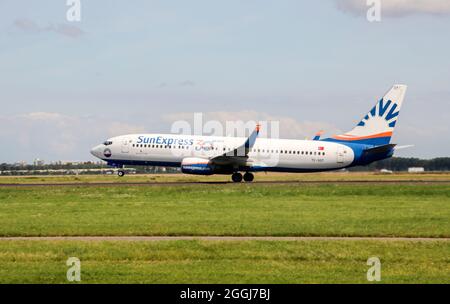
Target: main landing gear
pixel 120 173
pixel 237 177
pixel 248 177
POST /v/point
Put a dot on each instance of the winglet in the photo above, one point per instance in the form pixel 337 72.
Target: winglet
pixel 242 151
pixel 318 134
pixel 249 143
pixel 252 138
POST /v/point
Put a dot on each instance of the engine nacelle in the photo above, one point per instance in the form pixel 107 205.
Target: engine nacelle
pixel 196 165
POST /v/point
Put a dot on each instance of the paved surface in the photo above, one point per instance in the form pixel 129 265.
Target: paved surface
pixel 216 238
pixel 108 184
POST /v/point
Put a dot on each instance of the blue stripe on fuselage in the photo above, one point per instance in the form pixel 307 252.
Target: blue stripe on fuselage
pixel 361 158
pixel 379 141
pixel 122 162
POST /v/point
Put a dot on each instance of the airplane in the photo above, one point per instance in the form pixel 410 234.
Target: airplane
pixel 367 142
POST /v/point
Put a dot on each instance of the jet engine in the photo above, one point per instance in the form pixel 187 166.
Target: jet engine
pixel 196 165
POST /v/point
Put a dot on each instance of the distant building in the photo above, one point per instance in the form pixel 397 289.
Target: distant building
pixel 416 169
pixel 38 162
pixel 70 162
pixel 21 163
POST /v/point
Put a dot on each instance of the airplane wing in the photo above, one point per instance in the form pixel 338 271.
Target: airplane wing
pixel 240 154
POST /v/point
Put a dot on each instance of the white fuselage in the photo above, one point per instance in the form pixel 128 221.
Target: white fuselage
pixel 266 154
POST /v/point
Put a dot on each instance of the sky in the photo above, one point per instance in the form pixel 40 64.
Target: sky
pixel 139 66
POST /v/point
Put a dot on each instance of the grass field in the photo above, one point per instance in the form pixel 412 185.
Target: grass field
pixel 326 176
pixel 329 209
pixel 281 210
pixel 225 262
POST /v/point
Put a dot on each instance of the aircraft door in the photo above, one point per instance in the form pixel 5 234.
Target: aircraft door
pixel 340 155
pixel 125 146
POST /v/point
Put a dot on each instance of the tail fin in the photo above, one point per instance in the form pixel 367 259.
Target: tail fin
pixel 377 126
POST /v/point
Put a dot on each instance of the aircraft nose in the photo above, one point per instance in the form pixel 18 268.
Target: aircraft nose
pixel 96 151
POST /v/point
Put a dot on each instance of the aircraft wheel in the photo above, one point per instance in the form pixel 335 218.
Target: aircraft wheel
pixel 120 173
pixel 248 177
pixel 236 177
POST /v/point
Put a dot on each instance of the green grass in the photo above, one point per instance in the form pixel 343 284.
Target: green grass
pixel 416 210
pixel 225 262
pixel 278 210
pixel 328 176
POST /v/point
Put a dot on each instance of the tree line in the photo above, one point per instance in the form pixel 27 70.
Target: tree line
pixel 394 164
pixel 403 163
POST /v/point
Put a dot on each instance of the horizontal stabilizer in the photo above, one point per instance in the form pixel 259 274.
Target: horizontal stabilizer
pixel 380 149
pixel 403 147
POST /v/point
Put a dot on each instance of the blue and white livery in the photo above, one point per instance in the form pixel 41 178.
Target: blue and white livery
pixel 369 141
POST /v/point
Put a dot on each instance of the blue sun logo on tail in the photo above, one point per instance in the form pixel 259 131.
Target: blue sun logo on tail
pixel 385 110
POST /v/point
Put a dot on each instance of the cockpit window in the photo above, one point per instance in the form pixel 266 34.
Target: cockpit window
pixel 107 143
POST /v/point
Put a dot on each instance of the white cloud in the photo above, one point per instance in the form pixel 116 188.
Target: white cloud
pixel 187 83
pixel 289 127
pixel 29 26
pixel 56 136
pixel 397 8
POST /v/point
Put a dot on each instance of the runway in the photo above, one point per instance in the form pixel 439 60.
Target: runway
pixel 220 238
pixel 181 183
